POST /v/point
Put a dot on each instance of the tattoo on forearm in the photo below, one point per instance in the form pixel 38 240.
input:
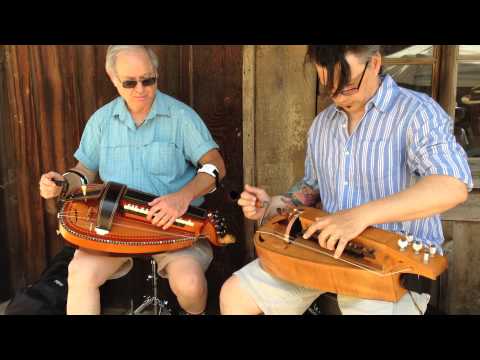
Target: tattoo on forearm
pixel 302 194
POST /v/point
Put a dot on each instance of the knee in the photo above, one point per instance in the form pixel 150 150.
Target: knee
pixel 189 285
pixel 227 296
pixel 80 275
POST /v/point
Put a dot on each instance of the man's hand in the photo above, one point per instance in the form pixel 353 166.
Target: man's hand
pixel 340 228
pixel 247 201
pixel 166 209
pixel 48 189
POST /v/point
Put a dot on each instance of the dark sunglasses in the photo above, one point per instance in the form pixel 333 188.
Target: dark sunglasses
pixel 130 84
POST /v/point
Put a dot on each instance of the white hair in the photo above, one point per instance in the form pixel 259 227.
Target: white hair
pixel 114 50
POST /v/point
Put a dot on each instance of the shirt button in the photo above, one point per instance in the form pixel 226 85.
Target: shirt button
pixel 346 152
pixel 345 183
pixel 344 126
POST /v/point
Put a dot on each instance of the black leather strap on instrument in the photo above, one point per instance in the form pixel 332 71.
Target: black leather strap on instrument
pixel 108 206
pixel 416 283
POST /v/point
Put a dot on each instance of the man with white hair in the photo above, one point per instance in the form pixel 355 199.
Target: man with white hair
pixel 151 142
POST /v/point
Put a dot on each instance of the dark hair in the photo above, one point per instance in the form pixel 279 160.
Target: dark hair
pixel 328 56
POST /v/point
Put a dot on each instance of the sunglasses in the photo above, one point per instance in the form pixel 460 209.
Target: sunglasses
pixel 130 84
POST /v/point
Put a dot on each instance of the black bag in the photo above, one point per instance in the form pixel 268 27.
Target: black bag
pixel 48 295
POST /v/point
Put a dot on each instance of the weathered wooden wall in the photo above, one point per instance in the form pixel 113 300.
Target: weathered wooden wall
pixel 5 284
pixel 462 232
pixel 50 93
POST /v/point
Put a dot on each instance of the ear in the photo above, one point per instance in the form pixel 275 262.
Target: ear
pixel 376 63
pixel 113 79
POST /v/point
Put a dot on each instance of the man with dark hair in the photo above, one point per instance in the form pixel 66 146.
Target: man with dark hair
pixel 380 155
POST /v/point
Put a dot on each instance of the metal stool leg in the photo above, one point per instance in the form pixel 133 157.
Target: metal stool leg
pixel 159 306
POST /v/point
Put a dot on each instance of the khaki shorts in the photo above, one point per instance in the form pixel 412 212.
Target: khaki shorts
pixel 200 251
pixel 277 297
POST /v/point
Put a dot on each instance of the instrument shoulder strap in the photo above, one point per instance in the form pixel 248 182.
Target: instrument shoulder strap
pixel 108 206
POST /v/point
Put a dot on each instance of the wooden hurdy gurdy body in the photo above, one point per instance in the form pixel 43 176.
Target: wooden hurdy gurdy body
pixel 370 267
pixel 112 218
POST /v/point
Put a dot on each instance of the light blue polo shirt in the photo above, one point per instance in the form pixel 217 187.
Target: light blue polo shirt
pixel 159 157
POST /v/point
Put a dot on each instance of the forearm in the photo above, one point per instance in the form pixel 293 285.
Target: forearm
pixel 299 194
pixel 431 195
pixel 302 194
pixel 74 180
pixel 200 185
pixel 203 183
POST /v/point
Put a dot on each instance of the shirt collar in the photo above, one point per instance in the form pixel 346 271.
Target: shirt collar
pixel 159 108
pixel 386 93
pixel 384 96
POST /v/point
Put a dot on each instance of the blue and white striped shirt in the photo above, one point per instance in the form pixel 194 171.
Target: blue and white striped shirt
pixel 404 135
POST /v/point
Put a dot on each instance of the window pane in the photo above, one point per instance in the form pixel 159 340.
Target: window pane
pixel 467 112
pixel 469 50
pixel 414 77
pixel 407 51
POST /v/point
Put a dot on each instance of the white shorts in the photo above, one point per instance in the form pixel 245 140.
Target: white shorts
pixel 277 297
pixel 200 251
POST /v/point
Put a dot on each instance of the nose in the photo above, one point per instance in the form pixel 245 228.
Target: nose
pixel 139 87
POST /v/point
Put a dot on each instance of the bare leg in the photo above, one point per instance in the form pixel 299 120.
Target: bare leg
pixel 86 273
pixel 188 283
pixel 234 300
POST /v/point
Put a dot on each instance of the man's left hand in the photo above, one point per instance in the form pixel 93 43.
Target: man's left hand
pixel 340 228
pixel 166 209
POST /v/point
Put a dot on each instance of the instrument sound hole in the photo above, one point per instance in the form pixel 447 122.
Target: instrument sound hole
pixel 358 251
pixel 296 230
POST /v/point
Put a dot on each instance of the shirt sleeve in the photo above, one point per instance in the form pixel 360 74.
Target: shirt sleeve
pixel 88 152
pixel 433 149
pixel 197 139
pixel 310 177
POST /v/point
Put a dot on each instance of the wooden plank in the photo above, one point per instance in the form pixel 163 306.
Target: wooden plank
pixel 463 293
pixel 448 73
pixel 285 105
pixel 5 186
pixel 249 168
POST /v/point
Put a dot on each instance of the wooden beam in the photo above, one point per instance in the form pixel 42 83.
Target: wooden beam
pixel 249 167
pixel 463 292
pixel 447 88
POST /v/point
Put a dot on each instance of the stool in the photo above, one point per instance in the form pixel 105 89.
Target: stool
pixel 159 306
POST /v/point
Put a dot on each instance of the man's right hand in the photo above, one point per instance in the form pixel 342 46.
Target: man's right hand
pixel 247 201
pixel 48 189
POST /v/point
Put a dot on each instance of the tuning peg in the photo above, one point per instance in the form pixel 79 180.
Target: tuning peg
pixel 402 244
pixel 425 257
pixel 409 238
pixel 417 246
pixel 432 250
